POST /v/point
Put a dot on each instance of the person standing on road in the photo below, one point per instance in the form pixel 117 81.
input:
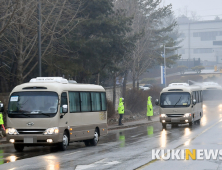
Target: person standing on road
pixel 121 110
pixel 1 118
pixel 149 108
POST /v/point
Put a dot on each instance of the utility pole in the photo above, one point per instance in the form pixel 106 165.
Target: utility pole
pixel 164 51
pixel 39 38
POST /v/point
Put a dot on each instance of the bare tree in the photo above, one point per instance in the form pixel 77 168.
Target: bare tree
pixel 19 41
pixel 7 11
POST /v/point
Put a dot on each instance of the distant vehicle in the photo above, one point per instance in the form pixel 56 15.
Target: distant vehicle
pixel 212 96
pixel 51 111
pixel 146 87
pixel 180 103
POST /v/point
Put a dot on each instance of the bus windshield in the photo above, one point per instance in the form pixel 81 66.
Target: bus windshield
pixel 172 99
pixel 33 103
pixel 209 95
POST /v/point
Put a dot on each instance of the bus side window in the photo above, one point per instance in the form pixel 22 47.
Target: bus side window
pixel 74 102
pixel 201 96
pixel 96 101
pixel 85 102
pixel 197 94
pixel 103 99
pixel 63 100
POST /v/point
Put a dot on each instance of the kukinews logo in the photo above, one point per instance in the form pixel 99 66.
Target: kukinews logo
pixel 186 154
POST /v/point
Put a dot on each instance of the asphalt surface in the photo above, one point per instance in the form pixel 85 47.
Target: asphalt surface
pixel 129 148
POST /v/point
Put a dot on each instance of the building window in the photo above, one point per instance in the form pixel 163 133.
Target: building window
pixel 181 51
pixel 202 50
pixel 217 42
pixel 207 36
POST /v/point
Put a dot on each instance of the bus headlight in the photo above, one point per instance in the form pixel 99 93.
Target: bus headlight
pixel 204 106
pixel 187 115
pixel 220 105
pixel 163 115
pixel 12 131
pixel 51 131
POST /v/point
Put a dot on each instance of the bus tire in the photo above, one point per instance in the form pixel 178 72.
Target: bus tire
pixel 164 125
pixel 18 147
pixel 95 140
pixel 87 142
pixel 191 123
pixel 65 142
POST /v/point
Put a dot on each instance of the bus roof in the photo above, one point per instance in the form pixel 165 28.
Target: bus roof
pixel 181 87
pixel 56 86
pixel 211 86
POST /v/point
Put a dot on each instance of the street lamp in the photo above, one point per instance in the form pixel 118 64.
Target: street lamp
pixel 164 52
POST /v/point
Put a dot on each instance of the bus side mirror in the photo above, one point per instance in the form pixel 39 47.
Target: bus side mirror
pixel 1 107
pixel 64 108
pixel 157 102
pixel 194 101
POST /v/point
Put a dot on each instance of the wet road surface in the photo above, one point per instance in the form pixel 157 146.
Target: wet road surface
pixel 122 149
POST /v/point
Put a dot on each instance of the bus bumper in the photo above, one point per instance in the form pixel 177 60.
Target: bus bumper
pixel 178 120
pixel 37 140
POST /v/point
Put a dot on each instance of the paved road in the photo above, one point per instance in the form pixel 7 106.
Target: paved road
pixel 124 149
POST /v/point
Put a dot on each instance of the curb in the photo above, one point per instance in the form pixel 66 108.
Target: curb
pixel 128 126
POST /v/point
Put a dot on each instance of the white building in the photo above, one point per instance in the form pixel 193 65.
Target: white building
pixel 201 40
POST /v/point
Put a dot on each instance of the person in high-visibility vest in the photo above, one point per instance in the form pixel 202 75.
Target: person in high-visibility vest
pixel 121 110
pixel 149 108
pixel 1 116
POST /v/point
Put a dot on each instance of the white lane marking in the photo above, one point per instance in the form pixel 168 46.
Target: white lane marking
pixel 112 163
pixel 82 167
pixel 72 153
pixel 21 167
pixel 98 163
pixel 136 135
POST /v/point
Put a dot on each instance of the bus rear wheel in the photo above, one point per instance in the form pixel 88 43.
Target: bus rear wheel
pixel 18 147
pixel 95 140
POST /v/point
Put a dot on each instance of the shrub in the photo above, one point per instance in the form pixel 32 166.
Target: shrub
pixel 182 69
pixel 198 68
pixel 110 110
pixel 136 100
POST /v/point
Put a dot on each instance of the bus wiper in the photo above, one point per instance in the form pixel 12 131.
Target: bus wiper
pixel 45 114
pixel 25 113
pixel 177 101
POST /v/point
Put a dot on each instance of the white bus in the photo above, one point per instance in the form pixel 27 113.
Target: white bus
pixel 212 96
pixel 53 111
pixel 180 103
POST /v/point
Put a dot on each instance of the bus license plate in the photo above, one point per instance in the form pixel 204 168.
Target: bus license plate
pixel 28 140
pixel 175 120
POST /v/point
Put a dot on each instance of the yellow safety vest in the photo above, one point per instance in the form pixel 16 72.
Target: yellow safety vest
pixel 1 119
pixel 149 107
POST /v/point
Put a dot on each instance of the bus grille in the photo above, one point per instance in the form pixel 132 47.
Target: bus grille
pixel 31 131
pixel 175 115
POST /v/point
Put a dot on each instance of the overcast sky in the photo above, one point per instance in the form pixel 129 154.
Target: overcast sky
pixel 206 9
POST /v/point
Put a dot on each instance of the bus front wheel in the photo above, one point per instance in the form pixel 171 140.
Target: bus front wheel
pixel 18 147
pixel 65 141
pixel 164 125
